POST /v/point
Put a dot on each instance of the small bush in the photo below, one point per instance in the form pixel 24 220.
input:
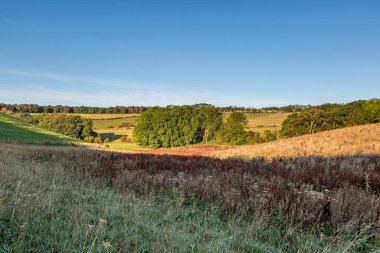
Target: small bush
pixel 97 140
pixel 253 138
pixel 270 136
pixel 125 139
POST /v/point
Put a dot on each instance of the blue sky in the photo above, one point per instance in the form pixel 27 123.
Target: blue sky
pixel 247 53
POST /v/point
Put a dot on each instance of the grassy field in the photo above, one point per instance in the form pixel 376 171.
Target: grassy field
pixel 104 124
pixel 259 122
pixel 106 116
pixel 16 130
pixel 73 199
pixel 363 139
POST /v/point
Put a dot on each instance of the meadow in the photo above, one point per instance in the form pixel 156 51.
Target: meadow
pixel 76 199
pixel 16 130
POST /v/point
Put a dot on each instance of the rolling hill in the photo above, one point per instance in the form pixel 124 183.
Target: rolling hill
pixel 354 140
pixel 18 131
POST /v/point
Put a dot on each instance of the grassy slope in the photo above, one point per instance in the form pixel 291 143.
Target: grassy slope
pixel 44 208
pixel 347 141
pixel 16 130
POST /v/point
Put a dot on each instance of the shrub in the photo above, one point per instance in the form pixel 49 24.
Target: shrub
pixel 253 138
pixel 270 136
pixel 125 139
pixel 97 140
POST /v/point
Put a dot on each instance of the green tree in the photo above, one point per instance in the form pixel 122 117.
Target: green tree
pixel 177 125
pixel 233 130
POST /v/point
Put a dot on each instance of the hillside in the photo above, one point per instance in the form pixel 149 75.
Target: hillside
pixel 355 140
pixel 16 130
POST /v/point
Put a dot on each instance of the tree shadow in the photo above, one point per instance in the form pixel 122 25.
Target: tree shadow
pixel 110 136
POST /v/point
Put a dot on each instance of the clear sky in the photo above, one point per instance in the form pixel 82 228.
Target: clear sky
pixel 248 53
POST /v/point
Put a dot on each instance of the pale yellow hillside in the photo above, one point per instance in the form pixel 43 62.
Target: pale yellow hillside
pixel 346 141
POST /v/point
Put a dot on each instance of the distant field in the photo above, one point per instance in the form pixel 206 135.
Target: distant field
pixel 259 122
pixel 115 134
pixel 126 146
pixel 109 128
pixel 15 130
pixel 106 123
pixel 105 116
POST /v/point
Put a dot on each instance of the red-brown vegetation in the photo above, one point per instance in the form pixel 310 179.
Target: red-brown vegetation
pixel 313 192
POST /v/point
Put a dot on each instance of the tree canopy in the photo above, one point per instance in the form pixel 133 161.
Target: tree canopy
pixel 331 116
pixel 177 125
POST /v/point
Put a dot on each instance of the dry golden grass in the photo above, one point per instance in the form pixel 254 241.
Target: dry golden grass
pixel 259 122
pixel 347 141
pixel 105 116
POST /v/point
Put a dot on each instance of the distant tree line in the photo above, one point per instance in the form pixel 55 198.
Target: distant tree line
pixel 34 108
pixel 69 125
pixel 331 116
pixel 288 108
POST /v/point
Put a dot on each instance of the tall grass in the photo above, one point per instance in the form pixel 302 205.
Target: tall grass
pixel 73 199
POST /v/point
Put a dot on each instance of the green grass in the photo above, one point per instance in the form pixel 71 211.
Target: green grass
pixel 16 130
pixel 44 208
pixel 105 123
pixel 126 146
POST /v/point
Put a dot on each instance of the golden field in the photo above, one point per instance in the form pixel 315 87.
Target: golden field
pixel 259 122
pixel 354 140
pixel 106 116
